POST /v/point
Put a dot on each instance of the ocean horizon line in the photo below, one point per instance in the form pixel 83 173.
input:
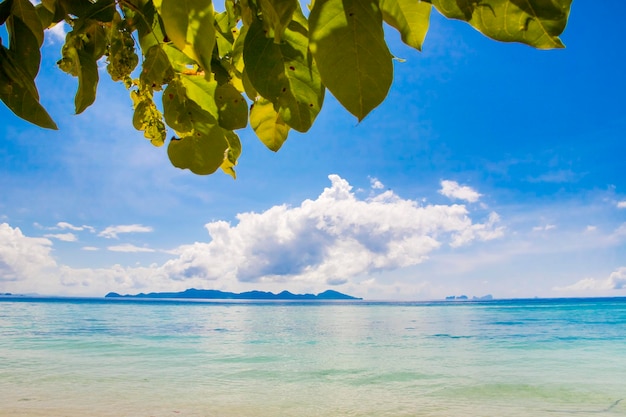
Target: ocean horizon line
pixel 364 301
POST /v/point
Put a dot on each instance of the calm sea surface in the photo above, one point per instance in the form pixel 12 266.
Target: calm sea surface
pixel 100 358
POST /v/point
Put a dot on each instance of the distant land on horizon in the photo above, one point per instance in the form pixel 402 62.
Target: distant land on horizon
pixel 193 293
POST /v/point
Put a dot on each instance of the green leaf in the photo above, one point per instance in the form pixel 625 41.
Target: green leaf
pixel 285 74
pixel 80 61
pixel 178 60
pixel 147 23
pixel 25 35
pixel 232 107
pixel 410 17
pixel 87 82
pixel 267 124
pixel 46 17
pixel 18 92
pixel 225 33
pixel 26 12
pixel 202 92
pixel 156 69
pixel 277 14
pixel 202 152
pixel 175 111
pixel 348 43
pixel 100 10
pixel 5 11
pixel 203 144
pixel 534 22
pixel 189 25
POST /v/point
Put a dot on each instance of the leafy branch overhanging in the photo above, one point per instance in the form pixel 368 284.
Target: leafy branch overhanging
pixel 259 62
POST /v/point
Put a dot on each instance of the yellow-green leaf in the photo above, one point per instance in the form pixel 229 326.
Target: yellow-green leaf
pixel 189 25
pixel 232 107
pixel 148 25
pixel 232 154
pixel 267 124
pixel 225 33
pixel 147 117
pixel 122 58
pixel 410 17
pixel 156 69
pixel 177 115
pixel 202 151
pixel 202 92
pixel 534 22
pixel 285 74
pixel 348 43
pixel 277 14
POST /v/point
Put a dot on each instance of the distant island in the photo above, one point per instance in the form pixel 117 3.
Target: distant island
pixel 487 297
pixel 193 293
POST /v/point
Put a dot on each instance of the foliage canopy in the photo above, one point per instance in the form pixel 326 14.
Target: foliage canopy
pixel 201 62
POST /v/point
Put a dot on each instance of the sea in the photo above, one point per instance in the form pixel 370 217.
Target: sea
pixel 68 357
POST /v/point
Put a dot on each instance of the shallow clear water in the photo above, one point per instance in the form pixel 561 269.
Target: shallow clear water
pixel 503 358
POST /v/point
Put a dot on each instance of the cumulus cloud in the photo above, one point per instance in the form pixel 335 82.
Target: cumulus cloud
pixel 330 239
pixel 615 281
pixel 112 232
pixel 129 248
pixel 453 190
pixel 621 204
pixel 90 248
pixel 21 256
pixel 65 237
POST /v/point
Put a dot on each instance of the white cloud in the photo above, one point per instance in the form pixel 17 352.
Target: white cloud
pixel 544 228
pixel 621 204
pixel 65 225
pixel 453 190
pixel 129 248
pixel 376 184
pixel 333 238
pixel 481 231
pixel 615 281
pixel 56 34
pixel 90 248
pixel 65 237
pixel 22 257
pixel 591 228
pixel 111 232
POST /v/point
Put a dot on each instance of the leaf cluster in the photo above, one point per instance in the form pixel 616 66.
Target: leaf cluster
pixel 266 63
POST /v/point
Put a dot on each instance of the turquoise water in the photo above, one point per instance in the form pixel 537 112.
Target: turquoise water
pixel 102 358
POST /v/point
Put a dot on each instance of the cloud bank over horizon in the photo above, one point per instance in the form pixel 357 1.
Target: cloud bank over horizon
pixel 336 239
pixel 615 281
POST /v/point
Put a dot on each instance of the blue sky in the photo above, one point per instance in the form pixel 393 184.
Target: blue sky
pixel 491 168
